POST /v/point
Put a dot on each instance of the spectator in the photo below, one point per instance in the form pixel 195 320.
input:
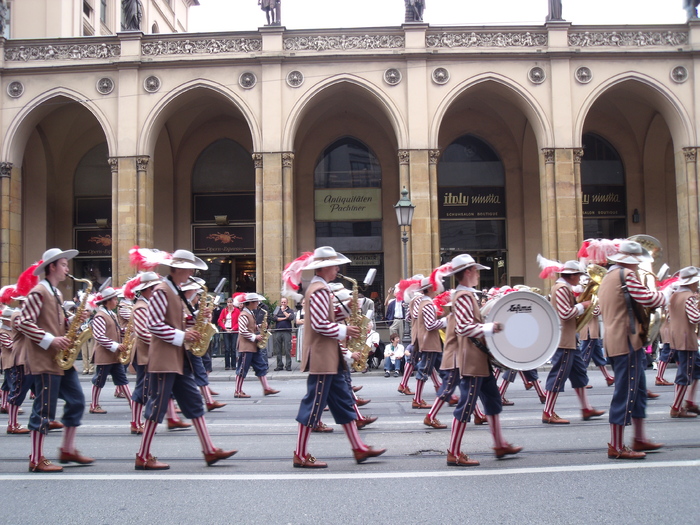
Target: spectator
pixel 282 337
pixel 393 354
pixel 228 322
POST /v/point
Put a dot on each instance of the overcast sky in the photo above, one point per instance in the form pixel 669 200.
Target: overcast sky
pixel 245 15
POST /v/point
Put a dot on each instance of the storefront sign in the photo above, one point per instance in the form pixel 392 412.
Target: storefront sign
pixel 348 204
pixel 369 259
pixel 473 202
pixel 223 239
pixel 600 201
pixel 93 242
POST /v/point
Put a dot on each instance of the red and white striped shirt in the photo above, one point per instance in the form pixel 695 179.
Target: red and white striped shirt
pixel 5 340
pixel 691 307
pixel 319 306
pixel 244 330
pixel 99 331
pixel 141 323
pixel 430 319
pixel 27 320
pixel 157 307
pixel 564 297
pixel 465 324
pixel 641 293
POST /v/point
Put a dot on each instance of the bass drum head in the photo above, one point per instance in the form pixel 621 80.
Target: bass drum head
pixel 531 330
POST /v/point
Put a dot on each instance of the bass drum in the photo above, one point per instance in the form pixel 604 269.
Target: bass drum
pixel 531 330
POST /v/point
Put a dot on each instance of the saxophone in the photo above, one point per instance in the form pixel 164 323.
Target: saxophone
pixel 264 332
pixel 124 357
pixel 359 343
pixel 66 358
pixel 202 325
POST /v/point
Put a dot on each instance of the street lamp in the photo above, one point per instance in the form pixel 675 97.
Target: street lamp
pixel 404 215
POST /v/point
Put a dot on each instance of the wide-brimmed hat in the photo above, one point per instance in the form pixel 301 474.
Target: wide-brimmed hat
pixel 53 255
pixel 571 268
pixel 342 295
pixel 146 280
pixel 325 256
pixel 185 259
pixel 251 298
pixel 688 275
pixel 194 283
pixel 462 262
pixel 106 294
pixel 7 312
pixel 630 252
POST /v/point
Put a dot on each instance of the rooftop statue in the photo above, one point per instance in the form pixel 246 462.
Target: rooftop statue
pixel 554 10
pixel 414 10
pixel 691 8
pixel 132 13
pixel 272 10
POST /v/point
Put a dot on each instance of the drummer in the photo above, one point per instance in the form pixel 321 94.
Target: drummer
pixel 567 362
pixel 477 380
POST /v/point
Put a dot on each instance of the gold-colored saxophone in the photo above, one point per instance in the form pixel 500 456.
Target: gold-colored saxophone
pixel 66 358
pixel 264 332
pixel 124 357
pixel 359 343
pixel 590 293
pixel 202 325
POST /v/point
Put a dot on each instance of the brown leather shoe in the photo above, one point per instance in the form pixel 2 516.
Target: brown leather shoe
pixel 363 455
pixel 357 388
pixel 589 413
pixel 480 420
pixel 3 410
pixel 362 402
pixel 508 450
pixel 662 382
pixel 119 394
pixel 553 419
pixel 453 401
pixel 610 381
pixel 543 399
pixel 17 429
pixel 44 465
pixel 270 392
pixel 136 429
pixel 528 385
pixel 652 395
pixel 213 393
pixel 308 462
pixel 435 423
pixel 150 463
pixel 589 386
pixel 73 457
pixel 362 423
pixel 55 425
pixel 405 390
pixel 421 404
pixel 462 461
pixel 97 410
pixel 642 446
pixel 506 402
pixel 215 405
pixel 692 407
pixel 682 413
pixel 218 455
pixel 322 427
pixel 624 453
pixel 241 395
pixel 174 424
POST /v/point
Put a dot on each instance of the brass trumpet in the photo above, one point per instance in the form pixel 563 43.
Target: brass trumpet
pixel 590 293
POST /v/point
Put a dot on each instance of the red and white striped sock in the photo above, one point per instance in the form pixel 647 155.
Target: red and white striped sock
pixel 200 426
pixel 583 398
pixel 264 383
pixel 172 413
pixel 458 429
pixel 354 395
pixel 606 374
pixel 638 425
pixel 302 440
pixel 407 371
pixel 504 386
pixel 69 439
pixel 680 394
pixel 5 395
pixel 495 426
pixel 149 430
pixel 37 446
pixel 12 412
pixel 95 396
pixel 538 388
pixel 690 394
pixel 617 436
pixel 357 411
pixel 524 379
pixel 354 437
pixel 437 405
pixel 136 410
pixel 418 396
pixel 436 379
pixel 239 384
pixel 478 412
pixel 206 394
pixel 662 369
pixel 497 374
pixel 550 402
pixel 127 393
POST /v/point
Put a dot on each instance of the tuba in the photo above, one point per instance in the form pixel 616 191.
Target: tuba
pixel 66 358
pixel 202 325
pixel 590 293
pixel 357 344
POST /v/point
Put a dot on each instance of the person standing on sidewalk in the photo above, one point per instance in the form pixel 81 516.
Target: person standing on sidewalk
pixel 282 337
pixel 228 322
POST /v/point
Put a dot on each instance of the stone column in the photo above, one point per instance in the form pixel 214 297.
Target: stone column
pixel 288 238
pixel 422 231
pixel 10 223
pixel 271 226
pixel 259 274
pixel 433 157
pixel 688 207
pixel 578 190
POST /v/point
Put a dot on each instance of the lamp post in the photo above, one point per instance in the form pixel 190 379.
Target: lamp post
pixel 404 215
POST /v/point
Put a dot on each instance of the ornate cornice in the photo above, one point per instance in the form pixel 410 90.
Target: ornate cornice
pixel 258 160
pixel 343 42
pixel 691 154
pixel 209 46
pixel 487 39
pixel 433 156
pixel 627 38
pixel 404 157
pixel 287 160
pixel 548 155
pixel 5 170
pixel 25 53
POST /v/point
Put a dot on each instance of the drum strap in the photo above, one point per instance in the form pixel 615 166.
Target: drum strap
pixel 628 300
pixel 481 346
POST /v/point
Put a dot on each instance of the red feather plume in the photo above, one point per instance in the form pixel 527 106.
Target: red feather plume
pixel 438 274
pixel 441 300
pixel 129 287
pixel 27 280
pixel 291 276
pixel 7 293
pixel 403 286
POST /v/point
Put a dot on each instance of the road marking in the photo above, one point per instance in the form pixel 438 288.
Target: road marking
pixel 160 476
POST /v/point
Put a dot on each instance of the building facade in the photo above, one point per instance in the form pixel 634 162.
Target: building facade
pixel 249 148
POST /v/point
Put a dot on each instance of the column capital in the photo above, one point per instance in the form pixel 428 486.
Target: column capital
pixel 578 155
pixel 691 154
pixel 258 160
pixel 548 155
pixel 287 159
pixel 113 164
pixel 142 163
pixel 433 156
pixel 404 156
pixel 5 170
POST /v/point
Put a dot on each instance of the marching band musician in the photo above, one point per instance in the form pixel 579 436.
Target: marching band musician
pixel 247 347
pixel 43 323
pixel 618 292
pixel 323 360
pixel 107 333
pixel 666 355
pixel 169 370
pixel 406 291
pixel 6 355
pixel 592 348
pixel 477 379
pixel 566 362
pixel 685 316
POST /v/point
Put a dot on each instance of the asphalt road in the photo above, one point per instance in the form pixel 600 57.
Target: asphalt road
pixel 562 476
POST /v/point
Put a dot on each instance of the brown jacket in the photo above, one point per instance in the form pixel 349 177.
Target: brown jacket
pixel 102 355
pixel 162 356
pixel 473 361
pixel 140 348
pixel 6 360
pixel 568 327
pixel 243 345
pixel 613 307
pixel 429 339
pixel 321 354
pixel 19 347
pixel 51 320
pixel 591 330
pixel 450 351
pixel 683 336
